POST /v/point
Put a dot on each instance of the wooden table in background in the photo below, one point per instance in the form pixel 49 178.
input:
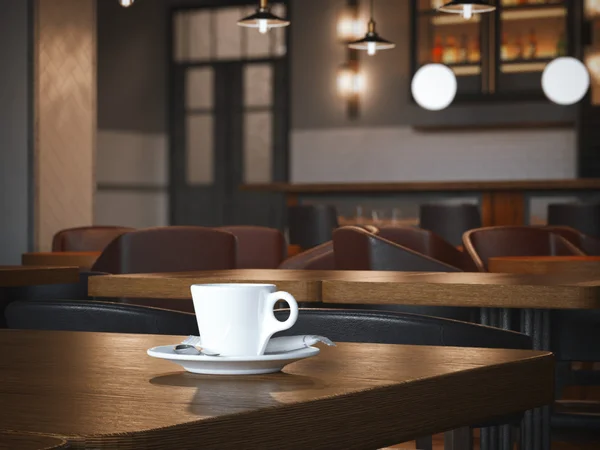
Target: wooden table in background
pixel 103 391
pixel 304 285
pixel 83 260
pixel 580 265
pixel 482 290
pixel 13 276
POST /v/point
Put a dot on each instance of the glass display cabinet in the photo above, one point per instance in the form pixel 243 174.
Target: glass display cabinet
pixel 500 54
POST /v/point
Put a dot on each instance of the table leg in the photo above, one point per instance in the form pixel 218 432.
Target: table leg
pixel 535 428
pixel 536 323
pixel 425 443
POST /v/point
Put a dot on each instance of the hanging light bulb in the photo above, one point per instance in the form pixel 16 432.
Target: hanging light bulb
pixel 126 3
pixel 372 42
pixel 467 8
pixel 263 19
pixel 468 11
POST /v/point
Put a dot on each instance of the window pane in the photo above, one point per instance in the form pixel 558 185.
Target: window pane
pixel 200 151
pixel 200 88
pixel 229 34
pixel 258 147
pixel 197 37
pixel 258 85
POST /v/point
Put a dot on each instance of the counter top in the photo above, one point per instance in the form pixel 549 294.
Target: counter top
pixel 429 186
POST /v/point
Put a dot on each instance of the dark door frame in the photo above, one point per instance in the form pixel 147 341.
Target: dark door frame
pixel 281 172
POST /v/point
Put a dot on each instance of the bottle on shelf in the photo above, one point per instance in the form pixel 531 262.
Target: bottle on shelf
pixel 532 47
pixel 519 49
pixel 561 45
pixel 463 50
pixel 504 49
pixel 450 51
pixel 475 54
pixel 437 53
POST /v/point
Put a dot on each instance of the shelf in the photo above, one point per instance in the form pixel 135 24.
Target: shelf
pixel 533 6
pixel 533 12
pixel 454 19
pixel 466 70
pixel 525 65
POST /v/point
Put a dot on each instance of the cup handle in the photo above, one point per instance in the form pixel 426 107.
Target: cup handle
pixel 270 323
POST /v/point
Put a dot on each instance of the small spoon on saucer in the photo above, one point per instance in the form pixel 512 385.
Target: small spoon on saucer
pixel 184 348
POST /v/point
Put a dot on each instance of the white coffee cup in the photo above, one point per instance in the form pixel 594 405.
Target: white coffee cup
pixel 238 319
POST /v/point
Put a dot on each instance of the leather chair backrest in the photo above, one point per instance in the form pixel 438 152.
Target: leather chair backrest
pixel 428 243
pixel 61 315
pixel 258 247
pixel 86 239
pixel 169 249
pixel 399 328
pixel 357 249
pixel 449 221
pixel 485 243
pixel 311 225
pixel 316 258
pixel 584 217
pixel 588 244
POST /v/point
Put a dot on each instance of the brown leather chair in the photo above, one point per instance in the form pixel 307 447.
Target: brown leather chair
pixel 317 258
pixel 588 244
pixel 357 249
pixel 169 249
pixel 430 244
pixel 86 239
pixel 485 243
pixel 258 247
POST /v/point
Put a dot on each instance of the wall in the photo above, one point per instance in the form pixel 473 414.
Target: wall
pixel 381 145
pixel 15 125
pixel 65 116
pixel 326 146
pixel 132 157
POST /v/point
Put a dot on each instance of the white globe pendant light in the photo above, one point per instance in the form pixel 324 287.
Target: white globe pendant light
pixel 434 87
pixel 565 81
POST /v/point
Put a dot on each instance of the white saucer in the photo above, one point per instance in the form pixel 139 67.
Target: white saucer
pixel 232 365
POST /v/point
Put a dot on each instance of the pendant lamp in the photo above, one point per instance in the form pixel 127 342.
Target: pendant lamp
pixel 126 3
pixel 467 8
pixel 263 19
pixel 372 41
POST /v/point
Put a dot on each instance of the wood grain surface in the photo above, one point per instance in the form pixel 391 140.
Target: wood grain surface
pixel 517 185
pixel 304 285
pixel 21 441
pixel 560 291
pixel 83 260
pixel 489 290
pixel 11 276
pixel 103 391
pixel 579 265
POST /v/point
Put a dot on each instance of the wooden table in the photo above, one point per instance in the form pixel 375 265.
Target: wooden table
pixel 13 276
pixel 483 290
pixel 495 294
pixel 579 265
pixel 305 285
pixel 83 260
pixel 103 391
pixel 21 441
